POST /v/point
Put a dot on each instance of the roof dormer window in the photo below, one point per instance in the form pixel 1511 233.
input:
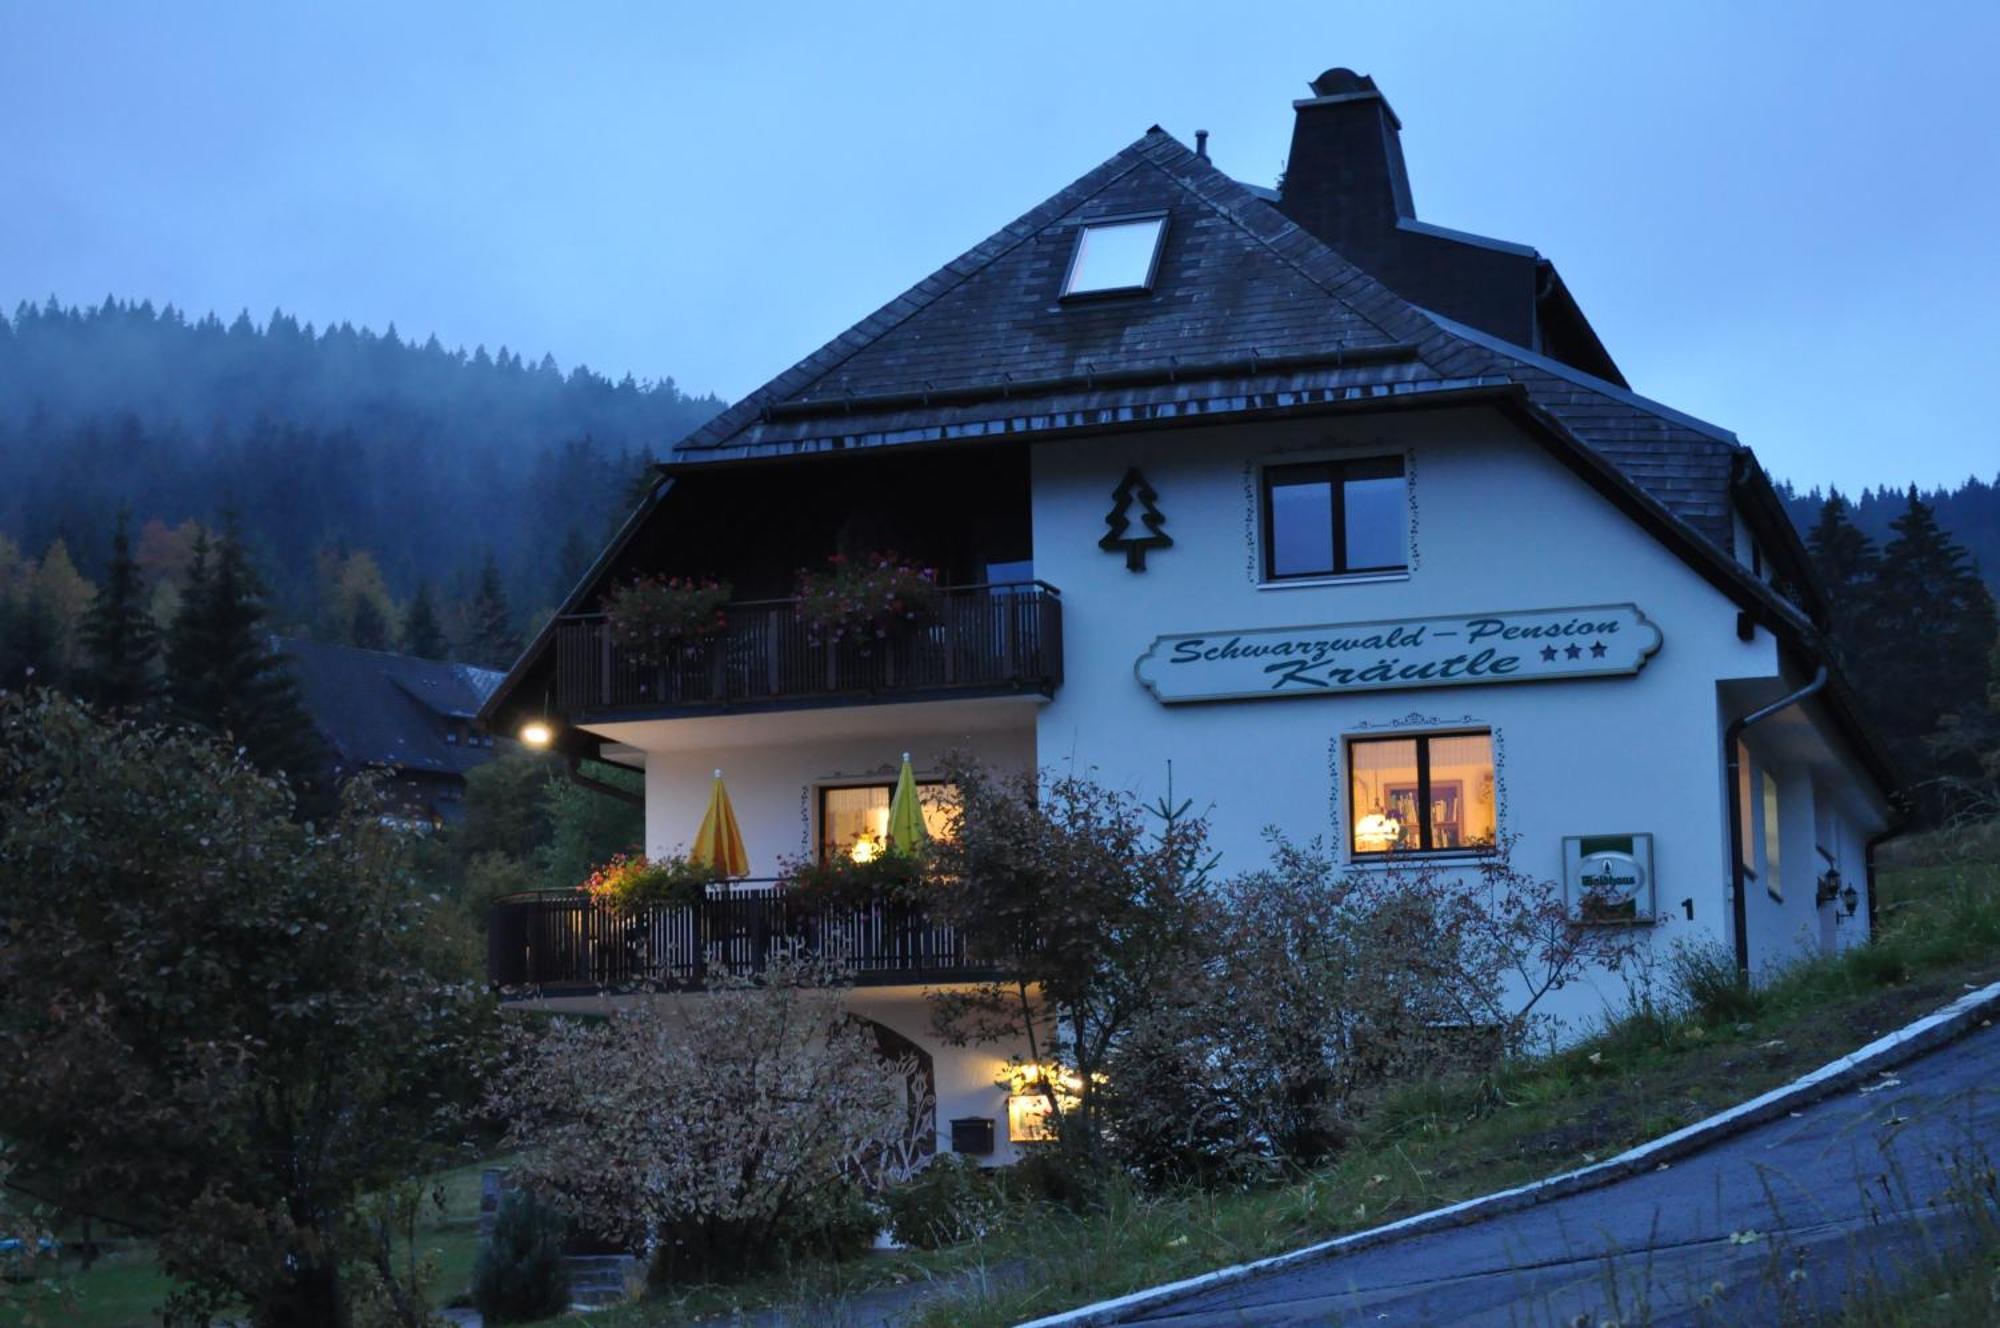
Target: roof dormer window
pixel 1115 257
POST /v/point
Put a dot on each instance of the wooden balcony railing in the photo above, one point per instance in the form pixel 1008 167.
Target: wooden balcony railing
pixel 986 639
pixel 556 940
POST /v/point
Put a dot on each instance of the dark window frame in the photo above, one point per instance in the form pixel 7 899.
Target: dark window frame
pixel 1064 295
pixel 1335 474
pixel 1423 742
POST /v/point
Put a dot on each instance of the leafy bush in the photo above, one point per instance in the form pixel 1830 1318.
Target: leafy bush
pixel 521 1275
pixel 1713 989
pixel 653 617
pixel 952 1199
pixel 841 882
pixel 729 1127
pixel 634 881
pixel 866 597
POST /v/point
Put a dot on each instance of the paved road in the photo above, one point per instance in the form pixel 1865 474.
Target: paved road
pixel 1785 1216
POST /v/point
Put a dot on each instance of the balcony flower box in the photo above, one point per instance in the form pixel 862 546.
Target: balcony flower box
pixel 866 599
pixel 660 619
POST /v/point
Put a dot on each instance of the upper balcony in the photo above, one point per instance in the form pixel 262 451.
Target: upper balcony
pixel 985 640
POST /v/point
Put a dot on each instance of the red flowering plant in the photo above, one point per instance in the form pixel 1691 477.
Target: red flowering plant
pixel 654 617
pixel 631 881
pixel 866 598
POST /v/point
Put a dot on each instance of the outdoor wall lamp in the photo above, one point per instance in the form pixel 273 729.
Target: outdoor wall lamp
pixel 537 733
pixel 1829 888
pixel 1850 899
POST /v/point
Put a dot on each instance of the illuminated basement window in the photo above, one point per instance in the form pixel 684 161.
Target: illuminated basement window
pixel 1115 257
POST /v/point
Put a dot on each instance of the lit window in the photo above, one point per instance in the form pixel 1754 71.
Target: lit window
pixel 854 819
pixel 1115 256
pixel 1331 518
pixel 1428 794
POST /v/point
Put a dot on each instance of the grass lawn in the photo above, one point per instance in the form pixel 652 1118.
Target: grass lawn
pixel 1420 1148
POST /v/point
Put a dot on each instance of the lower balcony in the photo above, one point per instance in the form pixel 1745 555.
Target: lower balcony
pixel 986 640
pixel 561 941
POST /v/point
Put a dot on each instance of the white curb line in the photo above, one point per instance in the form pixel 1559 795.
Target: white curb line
pixel 1960 1017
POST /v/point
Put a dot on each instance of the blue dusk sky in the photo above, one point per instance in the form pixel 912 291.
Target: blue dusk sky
pixel 1780 217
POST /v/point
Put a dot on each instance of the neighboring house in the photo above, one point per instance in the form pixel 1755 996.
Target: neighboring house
pixel 408 720
pixel 1350 517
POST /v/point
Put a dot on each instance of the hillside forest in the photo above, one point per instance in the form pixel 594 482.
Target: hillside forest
pixel 179 484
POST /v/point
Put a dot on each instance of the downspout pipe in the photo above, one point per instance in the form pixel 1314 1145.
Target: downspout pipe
pixel 1732 765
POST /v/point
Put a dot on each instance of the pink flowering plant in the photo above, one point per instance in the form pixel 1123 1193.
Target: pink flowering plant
pixel 654 617
pixel 631 881
pixel 867 597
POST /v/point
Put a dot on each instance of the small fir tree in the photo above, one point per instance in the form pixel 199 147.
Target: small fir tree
pixel 121 645
pixel 489 622
pixel 222 672
pixel 422 634
pixel 1846 561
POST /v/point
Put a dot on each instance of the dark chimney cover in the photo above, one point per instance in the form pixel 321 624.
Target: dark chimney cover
pixel 1341 82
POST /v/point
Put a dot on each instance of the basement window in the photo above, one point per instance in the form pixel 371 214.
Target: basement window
pixel 1115 257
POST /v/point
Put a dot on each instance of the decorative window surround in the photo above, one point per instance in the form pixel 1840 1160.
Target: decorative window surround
pixel 1253 512
pixel 1413 723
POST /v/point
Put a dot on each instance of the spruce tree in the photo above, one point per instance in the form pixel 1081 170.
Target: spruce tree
pixel 1929 634
pixel 1846 562
pixel 366 626
pixel 120 643
pixel 489 623
pixel 224 674
pixel 422 636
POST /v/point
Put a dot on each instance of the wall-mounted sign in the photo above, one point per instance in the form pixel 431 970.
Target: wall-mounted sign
pixel 1532 645
pixel 1609 878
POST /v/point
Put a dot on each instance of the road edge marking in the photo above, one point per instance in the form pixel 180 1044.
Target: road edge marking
pixel 1904 1044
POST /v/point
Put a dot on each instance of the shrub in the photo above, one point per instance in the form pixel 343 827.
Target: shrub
pixel 652 618
pixel 726 1127
pixel 633 881
pixel 521 1275
pixel 840 882
pixel 1713 989
pixel 952 1199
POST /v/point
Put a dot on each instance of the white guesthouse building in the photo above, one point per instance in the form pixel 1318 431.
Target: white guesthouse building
pixel 1349 517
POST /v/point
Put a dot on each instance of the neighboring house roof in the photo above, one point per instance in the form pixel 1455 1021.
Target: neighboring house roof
pixel 377 709
pixel 1248 312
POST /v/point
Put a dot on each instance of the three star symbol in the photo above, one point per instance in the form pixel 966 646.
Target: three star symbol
pixel 1597 649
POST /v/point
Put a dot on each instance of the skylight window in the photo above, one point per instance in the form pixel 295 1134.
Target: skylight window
pixel 1115 256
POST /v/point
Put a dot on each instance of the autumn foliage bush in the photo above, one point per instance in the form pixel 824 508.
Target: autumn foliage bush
pixel 726 1133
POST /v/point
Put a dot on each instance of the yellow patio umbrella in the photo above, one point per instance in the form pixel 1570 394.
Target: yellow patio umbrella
pixel 906 815
pixel 719 844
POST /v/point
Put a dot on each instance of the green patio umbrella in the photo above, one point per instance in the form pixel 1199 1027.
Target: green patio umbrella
pixel 906 814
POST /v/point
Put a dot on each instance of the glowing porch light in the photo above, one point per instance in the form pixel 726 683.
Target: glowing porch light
pixel 535 733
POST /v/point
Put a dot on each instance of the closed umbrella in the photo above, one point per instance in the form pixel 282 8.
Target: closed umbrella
pixel 719 844
pixel 906 815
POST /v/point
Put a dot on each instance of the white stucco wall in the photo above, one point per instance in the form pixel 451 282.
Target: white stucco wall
pixel 1497 524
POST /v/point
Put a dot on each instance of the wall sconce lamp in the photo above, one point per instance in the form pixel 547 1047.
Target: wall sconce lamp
pixel 537 733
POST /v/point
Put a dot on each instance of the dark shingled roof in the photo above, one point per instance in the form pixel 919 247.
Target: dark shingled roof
pixel 1248 312
pixel 383 710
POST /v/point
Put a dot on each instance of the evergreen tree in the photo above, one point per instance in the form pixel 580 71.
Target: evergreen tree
pixel 366 626
pixel 489 622
pixel 30 641
pixel 120 642
pixel 1929 631
pixel 571 563
pixel 422 636
pixel 1846 562
pixel 223 674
